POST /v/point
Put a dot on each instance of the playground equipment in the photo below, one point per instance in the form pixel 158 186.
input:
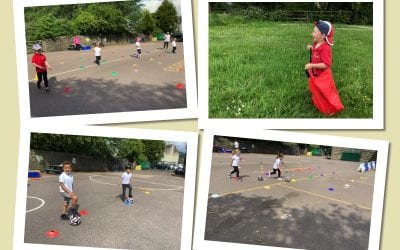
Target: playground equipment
pixel 34 174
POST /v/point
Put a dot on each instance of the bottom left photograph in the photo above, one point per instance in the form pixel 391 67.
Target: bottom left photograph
pixel 101 190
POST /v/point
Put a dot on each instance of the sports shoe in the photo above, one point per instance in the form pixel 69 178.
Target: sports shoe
pixel 47 91
pixel 279 179
pixel 64 217
pixel 39 87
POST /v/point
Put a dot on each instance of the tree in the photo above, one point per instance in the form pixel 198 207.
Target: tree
pixel 147 23
pixel 154 149
pixel 48 26
pixel 166 17
pixel 131 149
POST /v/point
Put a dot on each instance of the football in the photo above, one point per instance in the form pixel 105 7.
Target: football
pixel 74 220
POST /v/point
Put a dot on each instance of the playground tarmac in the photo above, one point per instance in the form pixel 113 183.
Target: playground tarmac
pixel 122 82
pixel 327 205
pixel 153 221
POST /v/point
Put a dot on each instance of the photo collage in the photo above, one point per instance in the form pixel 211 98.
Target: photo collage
pixel 248 74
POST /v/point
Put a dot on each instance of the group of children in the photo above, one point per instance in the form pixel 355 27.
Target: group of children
pixel 276 168
pixel 39 60
pixel 66 189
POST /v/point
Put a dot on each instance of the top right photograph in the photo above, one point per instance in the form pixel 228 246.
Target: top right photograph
pixel 320 63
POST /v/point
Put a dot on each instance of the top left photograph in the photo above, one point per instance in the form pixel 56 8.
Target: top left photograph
pixel 105 61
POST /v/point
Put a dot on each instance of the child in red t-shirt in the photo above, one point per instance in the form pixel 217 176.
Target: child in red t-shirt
pixel 40 62
pixel 323 89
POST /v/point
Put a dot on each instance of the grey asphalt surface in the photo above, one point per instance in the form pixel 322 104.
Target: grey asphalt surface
pixel 153 221
pixel 303 213
pixel 122 82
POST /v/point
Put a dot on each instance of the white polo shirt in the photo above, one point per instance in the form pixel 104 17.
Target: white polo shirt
pixel 277 163
pixel 235 160
pixel 126 178
pixel 68 180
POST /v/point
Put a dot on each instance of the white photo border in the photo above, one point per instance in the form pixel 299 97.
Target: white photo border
pixel 191 139
pixel 381 147
pixel 376 122
pixel 102 118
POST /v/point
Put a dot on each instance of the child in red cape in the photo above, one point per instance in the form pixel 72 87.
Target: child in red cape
pixel 323 89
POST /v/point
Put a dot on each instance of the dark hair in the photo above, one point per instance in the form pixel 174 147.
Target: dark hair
pixel 128 167
pixel 67 163
pixel 279 155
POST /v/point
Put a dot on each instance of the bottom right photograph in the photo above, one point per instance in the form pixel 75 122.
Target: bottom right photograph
pixel 290 190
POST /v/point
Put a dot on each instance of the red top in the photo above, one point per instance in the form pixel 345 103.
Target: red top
pixel 322 54
pixel 39 59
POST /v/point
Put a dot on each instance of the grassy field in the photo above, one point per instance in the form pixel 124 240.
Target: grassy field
pixel 256 69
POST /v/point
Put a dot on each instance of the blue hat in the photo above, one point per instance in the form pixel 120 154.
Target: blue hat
pixel 326 28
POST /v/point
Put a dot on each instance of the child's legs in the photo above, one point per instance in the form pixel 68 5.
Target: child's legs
pixel 40 79
pixel 66 202
pixel 279 173
pixel 46 81
pixel 273 171
pixel 98 58
pixel 235 170
pixel 130 190
pixel 123 191
pixel 74 199
pixel 173 49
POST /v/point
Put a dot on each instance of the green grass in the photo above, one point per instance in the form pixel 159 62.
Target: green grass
pixel 256 69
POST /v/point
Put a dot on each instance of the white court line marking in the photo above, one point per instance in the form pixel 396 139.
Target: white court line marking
pixel 36 208
pixel 86 67
pixel 141 188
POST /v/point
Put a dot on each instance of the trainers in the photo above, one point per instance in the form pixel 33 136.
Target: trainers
pixel 279 179
pixel 64 217
pixel 39 87
pixel 47 90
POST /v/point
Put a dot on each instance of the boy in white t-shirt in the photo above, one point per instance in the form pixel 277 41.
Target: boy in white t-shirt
pixel 138 47
pixel 235 163
pixel 126 183
pixel 277 164
pixel 174 46
pixel 66 180
pixel 97 54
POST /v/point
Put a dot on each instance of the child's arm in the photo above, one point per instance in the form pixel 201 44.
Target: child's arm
pixel 315 66
pixel 66 189
pixel 47 65
pixel 38 66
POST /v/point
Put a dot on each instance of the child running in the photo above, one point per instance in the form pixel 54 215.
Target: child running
pixel 174 46
pixel 277 164
pixel 66 180
pixel 138 48
pixel 126 183
pixel 97 53
pixel 39 60
pixel 235 163
pixel 323 89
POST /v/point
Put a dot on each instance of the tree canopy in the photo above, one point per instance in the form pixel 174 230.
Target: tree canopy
pixel 338 12
pixel 104 147
pixel 99 19
pixel 166 17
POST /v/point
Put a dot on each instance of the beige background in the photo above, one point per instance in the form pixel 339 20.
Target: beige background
pixel 10 125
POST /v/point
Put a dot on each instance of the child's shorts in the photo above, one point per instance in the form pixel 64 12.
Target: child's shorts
pixel 66 196
pixel 139 51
